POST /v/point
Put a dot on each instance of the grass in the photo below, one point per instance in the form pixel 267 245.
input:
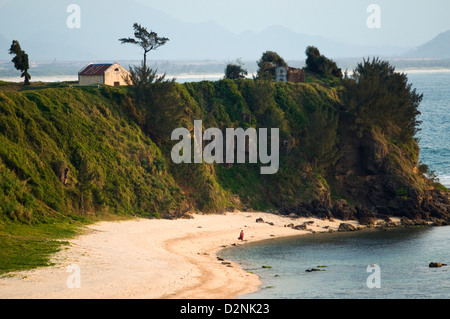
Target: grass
pixel 25 247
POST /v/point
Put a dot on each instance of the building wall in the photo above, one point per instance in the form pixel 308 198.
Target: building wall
pixel 281 74
pixel 112 76
pixel 90 79
pixel 296 75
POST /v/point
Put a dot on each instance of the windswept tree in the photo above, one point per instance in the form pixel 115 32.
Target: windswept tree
pixel 235 70
pixel 20 61
pixel 159 98
pixel 148 41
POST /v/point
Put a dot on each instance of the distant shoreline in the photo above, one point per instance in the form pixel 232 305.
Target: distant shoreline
pixel 195 77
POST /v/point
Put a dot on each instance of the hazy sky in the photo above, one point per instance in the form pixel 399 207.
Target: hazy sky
pixel 403 22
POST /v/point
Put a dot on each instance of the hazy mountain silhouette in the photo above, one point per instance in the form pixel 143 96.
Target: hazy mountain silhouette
pixel 437 48
pixel 40 27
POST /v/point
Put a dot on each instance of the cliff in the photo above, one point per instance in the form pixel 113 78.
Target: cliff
pixel 77 152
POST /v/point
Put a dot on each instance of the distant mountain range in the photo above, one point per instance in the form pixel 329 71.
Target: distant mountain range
pixel 437 48
pixel 40 27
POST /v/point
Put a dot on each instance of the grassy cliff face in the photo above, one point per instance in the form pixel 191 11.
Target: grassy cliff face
pixel 79 151
pixel 67 152
pixel 307 119
pixel 70 152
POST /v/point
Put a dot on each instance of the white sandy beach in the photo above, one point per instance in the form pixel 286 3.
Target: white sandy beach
pixel 155 259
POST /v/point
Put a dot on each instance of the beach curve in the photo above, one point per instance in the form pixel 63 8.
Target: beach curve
pixel 156 259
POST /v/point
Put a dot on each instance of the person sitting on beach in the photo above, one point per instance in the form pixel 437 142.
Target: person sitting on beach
pixel 241 236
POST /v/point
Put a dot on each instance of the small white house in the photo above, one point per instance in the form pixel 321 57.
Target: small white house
pixel 288 74
pixel 281 73
pixel 112 74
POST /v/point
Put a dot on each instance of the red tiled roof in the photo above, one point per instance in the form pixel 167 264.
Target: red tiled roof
pixel 95 69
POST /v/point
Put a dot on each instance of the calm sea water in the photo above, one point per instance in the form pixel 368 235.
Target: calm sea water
pixel 403 255
pixel 435 134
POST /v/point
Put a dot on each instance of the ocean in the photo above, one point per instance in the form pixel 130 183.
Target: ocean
pixel 371 264
pixel 402 257
pixel 435 134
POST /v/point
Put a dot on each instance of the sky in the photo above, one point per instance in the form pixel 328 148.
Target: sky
pixel 403 22
pixel 396 27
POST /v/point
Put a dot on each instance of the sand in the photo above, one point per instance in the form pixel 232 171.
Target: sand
pixel 154 259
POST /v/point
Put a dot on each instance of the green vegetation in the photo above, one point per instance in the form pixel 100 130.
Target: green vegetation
pixel 268 63
pixel 73 155
pixel 321 65
pixel 235 71
pixel 24 247
pixel 377 96
pixel 20 61
pixel 147 41
pixel 71 151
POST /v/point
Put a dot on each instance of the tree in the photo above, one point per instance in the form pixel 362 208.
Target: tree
pixel 148 41
pixel 321 136
pixel 321 65
pixel 268 63
pixel 378 96
pixel 142 75
pixel 235 70
pixel 20 61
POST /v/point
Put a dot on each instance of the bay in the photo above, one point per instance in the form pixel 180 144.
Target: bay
pixel 401 255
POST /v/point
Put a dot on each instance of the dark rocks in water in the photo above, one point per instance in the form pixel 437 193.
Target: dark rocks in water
pixel 439 222
pixel 405 221
pixel 386 224
pixel 314 270
pixel 347 227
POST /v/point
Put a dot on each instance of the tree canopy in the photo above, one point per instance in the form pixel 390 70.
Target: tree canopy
pixel 148 41
pixel 319 64
pixel 235 70
pixel 268 63
pixel 377 95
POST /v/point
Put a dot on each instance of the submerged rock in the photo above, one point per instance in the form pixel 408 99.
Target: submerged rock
pixel 314 269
